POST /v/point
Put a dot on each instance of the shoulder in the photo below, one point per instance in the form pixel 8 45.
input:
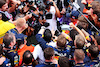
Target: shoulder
pixel 6 62
pixel 2 59
pixel 40 65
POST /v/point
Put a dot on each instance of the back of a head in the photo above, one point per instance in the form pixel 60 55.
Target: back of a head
pixel 61 41
pixel 82 19
pixel 83 22
pixel 80 41
pixel 73 33
pixel 97 39
pixel 47 35
pixel 7 39
pixel 20 39
pixel 2 2
pixel 63 62
pixel 1 49
pixel 94 51
pixel 79 54
pixel 27 57
pixel 95 7
pixel 20 22
pixel 48 53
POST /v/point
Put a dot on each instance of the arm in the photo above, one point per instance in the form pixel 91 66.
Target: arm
pixel 67 36
pixel 57 10
pixel 13 7
pixel 77 29
pixel 89 37
pixel 40 40
pixel 28 16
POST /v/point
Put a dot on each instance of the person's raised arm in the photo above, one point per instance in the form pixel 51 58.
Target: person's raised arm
pixel 13 6
pixel 77 29
pixel 57 10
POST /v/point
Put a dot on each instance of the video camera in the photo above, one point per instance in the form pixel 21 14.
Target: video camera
pixel 29 1
pixel 22 5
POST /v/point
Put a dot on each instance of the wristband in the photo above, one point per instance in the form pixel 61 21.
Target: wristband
pixel 87 37
pixel 43 27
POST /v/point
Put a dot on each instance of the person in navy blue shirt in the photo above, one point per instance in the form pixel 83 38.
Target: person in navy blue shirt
pixel 9 41
pixel 49 58
pixel 28 59
pixel 79 56
pixel 60 50
pixel 93 55
pixel 4 62
pixel 63 62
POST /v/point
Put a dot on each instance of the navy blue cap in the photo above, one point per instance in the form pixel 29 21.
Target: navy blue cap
pixel 72 14
pixel 21 37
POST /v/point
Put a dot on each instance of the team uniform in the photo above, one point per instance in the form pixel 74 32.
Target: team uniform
pixel 47 64
pixel 27 66
pixel 59 51
pixel 13 56
pixel 6 63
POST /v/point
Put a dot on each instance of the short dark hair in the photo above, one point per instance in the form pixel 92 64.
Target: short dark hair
pixel 61 41
pixel 73 33
pixel 97 39
pixel 2 2
pixel 7 39
pixel 94 51
pixel 79 54
pixel 27 57
pixel 95 7
pixel 47 35
pixel 63 62
pixel 1 49
pixel 48 53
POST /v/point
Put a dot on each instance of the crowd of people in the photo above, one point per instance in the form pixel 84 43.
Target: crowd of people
pixel 65 36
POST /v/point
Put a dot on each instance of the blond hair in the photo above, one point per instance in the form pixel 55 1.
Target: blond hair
pixel 20 22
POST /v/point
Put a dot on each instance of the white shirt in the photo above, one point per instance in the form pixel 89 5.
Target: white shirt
pixel 52 22
pixel 8 15
pixel 38 52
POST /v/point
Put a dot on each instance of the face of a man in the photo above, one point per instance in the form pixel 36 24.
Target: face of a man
pixel 5 7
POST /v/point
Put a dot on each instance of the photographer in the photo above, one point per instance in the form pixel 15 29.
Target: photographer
pixel 51 14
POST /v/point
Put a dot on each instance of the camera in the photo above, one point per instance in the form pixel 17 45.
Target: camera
pixel 21 6
pixel 29 1
pixel 49 16
pixel 48 3
pixel 34 15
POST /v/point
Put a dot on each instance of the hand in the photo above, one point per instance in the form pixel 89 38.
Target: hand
pixel 83 2
pixel 16 2
pixel 88 44
pixel 63 11
pixel 52 31
pixel 29 15
pixel 85 33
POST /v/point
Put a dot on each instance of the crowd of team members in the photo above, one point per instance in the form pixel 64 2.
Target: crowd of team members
pixel 78 46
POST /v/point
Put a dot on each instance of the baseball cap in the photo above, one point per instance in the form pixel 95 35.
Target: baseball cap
pixel 21 37
pixel 73 14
